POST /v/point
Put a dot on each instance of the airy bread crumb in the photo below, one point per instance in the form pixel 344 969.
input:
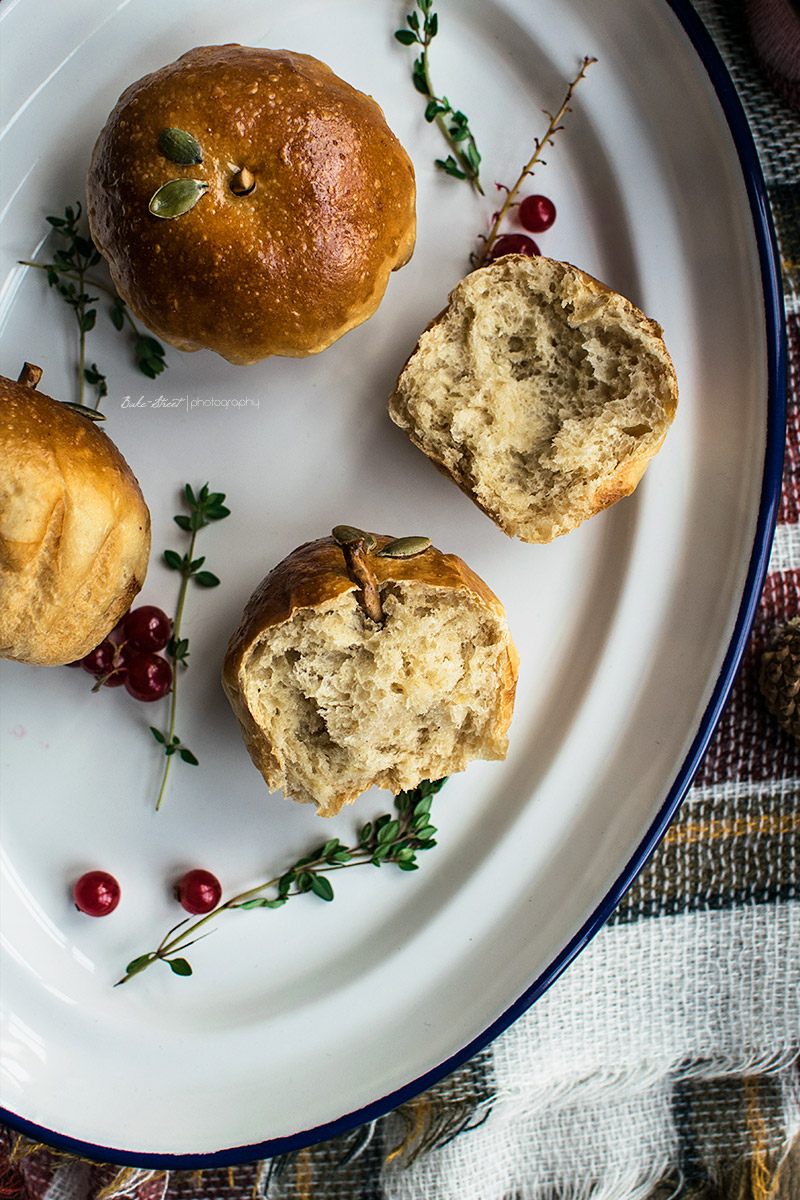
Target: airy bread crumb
pixel 541 393
pixel 331 702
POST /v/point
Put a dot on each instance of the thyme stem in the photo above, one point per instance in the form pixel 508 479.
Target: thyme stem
pixel 467 167
pixel 511 193
pixel 387 840
pixel 465 161
pixel 176 633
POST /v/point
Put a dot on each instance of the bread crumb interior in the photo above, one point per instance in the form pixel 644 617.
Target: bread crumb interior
pixel 528 398
pixel 414 698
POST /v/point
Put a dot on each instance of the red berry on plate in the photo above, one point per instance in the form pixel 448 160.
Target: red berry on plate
pixel 537 213
pixel 96 893
pixel 513 243
pixel 100 660
pixel 108 663
pixel 147 628
pixel 148 677
pixel 199 891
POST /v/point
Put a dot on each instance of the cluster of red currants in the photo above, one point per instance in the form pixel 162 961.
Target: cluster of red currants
pixel 97 893
pixel 130 656
pixel 536 214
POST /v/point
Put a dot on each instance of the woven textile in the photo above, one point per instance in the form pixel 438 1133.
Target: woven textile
pixel 664 1062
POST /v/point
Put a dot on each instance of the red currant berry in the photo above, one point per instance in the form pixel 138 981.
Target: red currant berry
pixel 108 662
pixel 147 628
pixel 199 891
pixel 100 660
pixel 513 243
pixel 537 213
pixel 148 677
pixel 96 893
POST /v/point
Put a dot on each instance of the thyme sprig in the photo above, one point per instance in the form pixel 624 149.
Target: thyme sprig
pixel 464 162
pixel 553 128
pixel 68 273
pixel 395 839
pixel 204 507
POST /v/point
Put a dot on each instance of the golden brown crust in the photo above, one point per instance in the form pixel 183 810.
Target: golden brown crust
pixel 74 530
pixel 315 576
pixel 285 270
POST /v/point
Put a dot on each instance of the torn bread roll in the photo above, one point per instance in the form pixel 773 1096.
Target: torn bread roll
pixel 542 393
pixel 333 699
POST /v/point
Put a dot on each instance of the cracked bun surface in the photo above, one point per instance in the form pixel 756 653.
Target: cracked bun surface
pixel 74 530
pixel 540 392
pixel 304 203
pixel 332 702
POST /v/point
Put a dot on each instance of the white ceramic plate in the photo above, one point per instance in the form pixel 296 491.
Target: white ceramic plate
pixel 303 1021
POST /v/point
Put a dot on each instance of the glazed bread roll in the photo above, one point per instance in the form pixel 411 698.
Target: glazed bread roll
pixel 332 700
pixel 302 202
pixel 74 530
pixel 540 392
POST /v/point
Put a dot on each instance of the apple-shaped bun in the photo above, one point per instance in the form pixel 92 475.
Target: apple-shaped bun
pixel 251 202
pixel 74 530
pixel 366 660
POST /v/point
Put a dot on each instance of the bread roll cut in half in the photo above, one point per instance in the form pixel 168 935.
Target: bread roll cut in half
pixel 353 668
pixel 74 529
pixel 250 201
pixel 540 392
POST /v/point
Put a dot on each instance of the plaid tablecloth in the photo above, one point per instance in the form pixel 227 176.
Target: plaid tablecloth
pixel 664 1062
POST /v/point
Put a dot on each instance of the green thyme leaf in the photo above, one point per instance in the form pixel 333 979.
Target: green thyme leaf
pixel 450 167
pixel 206 579
pixel 180 966
pixel 321 886
pixel 173 559
pixel 138 964
pixel 388 832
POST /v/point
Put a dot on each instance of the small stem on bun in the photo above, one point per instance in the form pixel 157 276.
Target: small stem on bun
pixel 359 570
pixel 30 375
pixel 243 182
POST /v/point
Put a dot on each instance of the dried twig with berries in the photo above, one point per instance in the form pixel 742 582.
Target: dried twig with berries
pixel 490 247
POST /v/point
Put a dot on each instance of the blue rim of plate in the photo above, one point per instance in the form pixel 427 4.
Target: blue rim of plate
pixel 765 526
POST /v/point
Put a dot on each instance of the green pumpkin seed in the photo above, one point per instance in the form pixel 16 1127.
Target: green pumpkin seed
pixel 175 198
pixel 405 547
pixel 179 146
pixel 91 413
pixel 349 533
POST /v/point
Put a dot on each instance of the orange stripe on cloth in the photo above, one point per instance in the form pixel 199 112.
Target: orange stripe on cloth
pixel 702 831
